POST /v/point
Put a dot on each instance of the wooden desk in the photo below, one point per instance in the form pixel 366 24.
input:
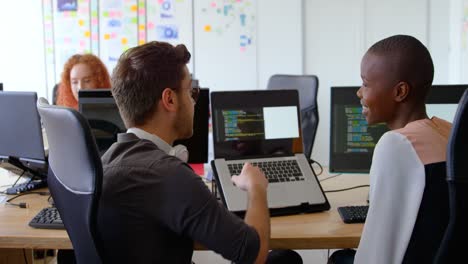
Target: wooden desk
pixel 307 231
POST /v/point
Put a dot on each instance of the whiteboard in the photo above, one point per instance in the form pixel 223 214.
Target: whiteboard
pixel 71 30
pixel 118 29
pixel 225 44
pixel 170 21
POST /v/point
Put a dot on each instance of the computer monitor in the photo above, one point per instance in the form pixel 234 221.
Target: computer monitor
pixel 21 141
pixel 352 141
pixel 99 108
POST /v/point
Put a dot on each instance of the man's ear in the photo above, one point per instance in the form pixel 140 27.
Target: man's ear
pixel 402 90
pixel 169 100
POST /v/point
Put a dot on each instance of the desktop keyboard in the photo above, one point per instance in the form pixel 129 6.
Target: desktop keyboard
pixel 26 186
pixel 275 171
pixel 353 214
pixel 47 218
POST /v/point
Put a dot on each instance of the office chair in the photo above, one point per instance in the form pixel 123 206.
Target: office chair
pixel 456 235
pixel 55 93
pixel 307 86
pixel 75 177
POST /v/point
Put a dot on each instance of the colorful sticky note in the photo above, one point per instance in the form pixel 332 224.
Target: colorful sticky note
pixel 141 42
pixel 134 20
pixel 134 8
pixel 207 28
pixel 150 25
pixel 94 21
pixel 87 33
pixel 106 36
pixel 124 41
pixel 81 22
pixel 105 14
pixel 141 27
pixel 213 4
pixel 141 11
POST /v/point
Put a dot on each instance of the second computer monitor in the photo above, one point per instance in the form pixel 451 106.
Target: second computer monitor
pixel 99 108
pixel 352 141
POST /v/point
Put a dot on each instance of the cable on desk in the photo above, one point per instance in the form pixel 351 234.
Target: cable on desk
pixel 347 189
pixel 330 177
pixel 312 162
pixel 23 205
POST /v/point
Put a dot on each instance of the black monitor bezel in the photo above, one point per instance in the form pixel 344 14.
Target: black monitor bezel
pixel 361 162
pixel 30 123
pixel 201 114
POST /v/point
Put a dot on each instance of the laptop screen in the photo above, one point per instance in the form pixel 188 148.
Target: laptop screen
pixel 256 123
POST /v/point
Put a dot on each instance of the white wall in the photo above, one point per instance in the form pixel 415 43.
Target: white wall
pixel 22 65
pixel 280 39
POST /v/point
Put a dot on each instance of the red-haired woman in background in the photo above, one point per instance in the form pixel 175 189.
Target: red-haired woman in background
pixel 81 72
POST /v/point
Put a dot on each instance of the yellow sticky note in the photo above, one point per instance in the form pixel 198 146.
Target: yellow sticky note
pixel 141 27
pixel 207 28
pixel 81 22
pixel 134 8
pixel 87 34
pixel 106 36
pixel 124 41
pixel 141 42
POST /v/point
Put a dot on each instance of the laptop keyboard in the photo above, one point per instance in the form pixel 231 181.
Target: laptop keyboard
pixel 275 171
pixel 48 218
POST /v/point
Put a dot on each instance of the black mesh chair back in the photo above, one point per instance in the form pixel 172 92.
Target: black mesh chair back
pixel 456 235
pixel 75 177
pixel 307 86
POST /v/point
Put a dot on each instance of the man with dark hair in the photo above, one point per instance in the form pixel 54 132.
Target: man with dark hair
pixel 153 206
pixel 407 199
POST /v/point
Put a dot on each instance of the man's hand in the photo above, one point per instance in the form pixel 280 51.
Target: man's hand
pixel 250 178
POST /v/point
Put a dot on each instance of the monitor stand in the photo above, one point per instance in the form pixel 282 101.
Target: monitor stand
pixel 37 179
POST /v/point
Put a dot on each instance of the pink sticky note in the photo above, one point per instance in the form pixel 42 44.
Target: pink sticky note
pixel 150 25
pixel 160 1
pixel 242 49
pixel 141 35
pixel 82 43
pixel 113 35
pixel 67 40
pixel 94 37
pixel 141 11
pixel 94 21
pixel 111 14
pixel 213 4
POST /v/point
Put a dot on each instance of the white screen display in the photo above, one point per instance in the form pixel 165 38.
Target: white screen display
pixel 281 122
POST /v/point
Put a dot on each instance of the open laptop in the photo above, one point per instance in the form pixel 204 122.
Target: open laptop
pixel 263 127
